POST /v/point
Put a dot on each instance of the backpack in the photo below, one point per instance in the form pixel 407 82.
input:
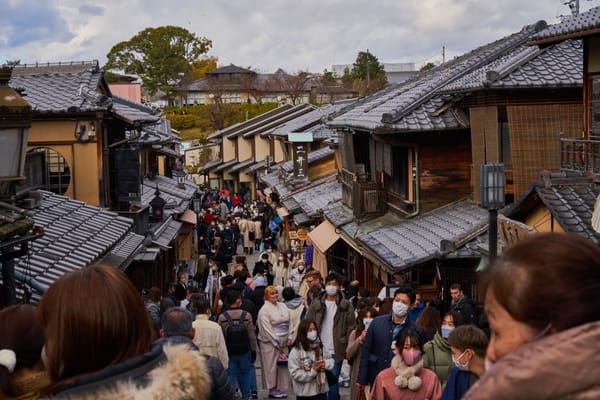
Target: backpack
pixel 236 335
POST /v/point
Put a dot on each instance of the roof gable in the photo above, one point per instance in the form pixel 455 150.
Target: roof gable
pixel 572 27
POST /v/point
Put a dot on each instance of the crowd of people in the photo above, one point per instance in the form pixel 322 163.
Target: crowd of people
pixel 93 336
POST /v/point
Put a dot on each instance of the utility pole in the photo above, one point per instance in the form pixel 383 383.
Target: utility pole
pixel 573 5
pixel 443 54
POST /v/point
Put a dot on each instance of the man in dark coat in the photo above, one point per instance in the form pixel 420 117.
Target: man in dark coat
pixel 463 304
pixel 376 351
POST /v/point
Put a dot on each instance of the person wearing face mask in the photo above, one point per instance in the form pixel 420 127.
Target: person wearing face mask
pixel 406 378
pixel 280 270
pixel 364 319
pixel 542 300
pixel 306 364
pixel 334 316
pixel 437 355
pixel 296 275
pixel 376 352
pixel 468 345
pixel 208 335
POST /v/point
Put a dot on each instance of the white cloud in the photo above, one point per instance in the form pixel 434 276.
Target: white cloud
pixel 266 35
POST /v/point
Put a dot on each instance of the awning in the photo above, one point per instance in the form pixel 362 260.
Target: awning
pixel 167 235
pixel 189 216
pixel 283 212
pixel 209 165
pixel 323 236
pixel 167 151
pixel 251 169
pixel 301 219
pixel 225 165
pixel 242 164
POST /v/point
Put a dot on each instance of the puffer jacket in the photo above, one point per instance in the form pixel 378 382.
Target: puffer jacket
pixel 565 365
pixel 438 358
pixel 170 370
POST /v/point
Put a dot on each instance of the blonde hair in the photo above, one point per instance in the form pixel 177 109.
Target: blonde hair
pixel 269 291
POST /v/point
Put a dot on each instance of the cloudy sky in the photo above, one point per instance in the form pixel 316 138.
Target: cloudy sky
pixel 269 34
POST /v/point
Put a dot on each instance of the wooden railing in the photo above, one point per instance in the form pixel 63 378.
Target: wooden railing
pixel 366 199
pixel 580 155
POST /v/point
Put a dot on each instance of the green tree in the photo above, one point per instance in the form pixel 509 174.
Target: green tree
pixel 159 56
pixel 328 79
pixel 347 78
pixel 427 67
pixel 368 74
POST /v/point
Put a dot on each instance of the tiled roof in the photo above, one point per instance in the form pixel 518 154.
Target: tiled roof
pixel 252 123
pixel 314 120
pixel 251 169
pixel 211 164
pixel 569 198
pixel 317 197
pixel 132 112
pixel 225 165
pixel 230 69
pixel 52 88
pixel 559 65
pixel 75 87
pixel 75 235
pixel 571 27
pixel 166 233
pixel 177 199
pixel 242 164
pixel 125 251
pixel 267 126
pixel 416 104
pixel 338 214
pixel 417 240
pixel 301 219
pixel 272 178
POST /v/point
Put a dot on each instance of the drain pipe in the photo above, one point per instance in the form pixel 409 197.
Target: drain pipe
pixel 39 287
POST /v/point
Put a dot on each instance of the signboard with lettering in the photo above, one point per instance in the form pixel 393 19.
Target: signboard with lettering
pixel 300 161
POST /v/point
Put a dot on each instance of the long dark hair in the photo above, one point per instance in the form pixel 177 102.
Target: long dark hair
pixel 302 339
pixel 360 326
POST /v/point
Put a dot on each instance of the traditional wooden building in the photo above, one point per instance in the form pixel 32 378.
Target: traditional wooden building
pixel 411 154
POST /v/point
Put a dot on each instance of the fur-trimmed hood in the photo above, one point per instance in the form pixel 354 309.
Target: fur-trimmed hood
pixel 183 374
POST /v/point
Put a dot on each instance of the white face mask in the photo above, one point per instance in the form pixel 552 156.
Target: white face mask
pixel 331 290
pixel 367 322
pixel 399 309
pixel 312 336
pixel 462 367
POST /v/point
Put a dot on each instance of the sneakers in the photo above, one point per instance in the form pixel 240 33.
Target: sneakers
pixel 254 394
pixel 277 394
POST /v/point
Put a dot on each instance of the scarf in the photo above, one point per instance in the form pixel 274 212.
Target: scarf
pixel 306 362
pixel 407 375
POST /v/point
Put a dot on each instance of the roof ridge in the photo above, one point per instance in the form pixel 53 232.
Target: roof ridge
pixel 510 42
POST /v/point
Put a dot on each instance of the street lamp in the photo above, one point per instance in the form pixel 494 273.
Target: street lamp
pixel 492 198
pixel 15 120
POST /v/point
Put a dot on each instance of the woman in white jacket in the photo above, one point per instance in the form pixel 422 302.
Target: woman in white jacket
pixel 296 275
pixel 306 364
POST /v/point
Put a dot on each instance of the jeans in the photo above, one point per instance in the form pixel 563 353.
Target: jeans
pixel 334 390
pixel 253 375
pixel 239 369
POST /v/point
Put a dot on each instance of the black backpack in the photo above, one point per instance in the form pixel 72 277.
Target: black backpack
pixel 236 335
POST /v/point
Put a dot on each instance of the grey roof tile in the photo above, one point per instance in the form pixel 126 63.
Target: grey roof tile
pixel 68 242
pixel 413 241
pixel 573 26
pixel 177 199
pixel 410 104
pixel 317 198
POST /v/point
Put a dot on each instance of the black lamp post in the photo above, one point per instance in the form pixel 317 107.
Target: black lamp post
pixel 15 121
pixel 492 198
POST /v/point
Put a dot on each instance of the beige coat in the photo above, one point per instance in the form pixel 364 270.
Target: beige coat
pixel 258 229
pixel 565 365
pixel 245 227
pixel 209 338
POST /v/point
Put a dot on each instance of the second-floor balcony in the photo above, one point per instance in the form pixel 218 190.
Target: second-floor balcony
pixel 366 198
pixel 580 155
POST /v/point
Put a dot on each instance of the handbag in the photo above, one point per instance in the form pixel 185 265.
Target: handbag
pixel 282 359
pixel 360 395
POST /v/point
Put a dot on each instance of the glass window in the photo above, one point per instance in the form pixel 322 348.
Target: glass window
pixel 58 173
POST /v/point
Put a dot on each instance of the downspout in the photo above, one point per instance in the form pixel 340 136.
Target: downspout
pixel 417 187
